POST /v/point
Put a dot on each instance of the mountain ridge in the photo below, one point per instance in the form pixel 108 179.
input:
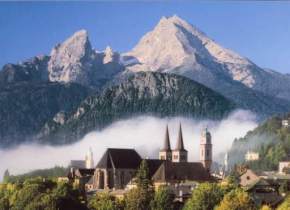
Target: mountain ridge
pixel 200 58
pixel 173 46
pixel 150 93
pixel 173 49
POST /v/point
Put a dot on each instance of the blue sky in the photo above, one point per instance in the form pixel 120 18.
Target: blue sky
pixel 257 30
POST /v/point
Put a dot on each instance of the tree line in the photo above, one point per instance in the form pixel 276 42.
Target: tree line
pixel 48 194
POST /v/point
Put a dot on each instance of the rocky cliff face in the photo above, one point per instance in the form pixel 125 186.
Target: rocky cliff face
pixel 32 70
pixel 75 61
pixel 72 61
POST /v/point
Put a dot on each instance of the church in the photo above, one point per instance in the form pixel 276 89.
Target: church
pixel 117 167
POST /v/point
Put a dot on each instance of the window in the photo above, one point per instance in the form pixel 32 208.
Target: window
pixel 175 157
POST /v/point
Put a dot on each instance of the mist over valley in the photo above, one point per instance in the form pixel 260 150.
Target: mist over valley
pixel 144 133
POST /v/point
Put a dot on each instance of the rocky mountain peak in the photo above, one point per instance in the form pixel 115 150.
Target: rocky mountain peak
pixel 166 47
pixel 217 51
pixel 71 59
pixel 108 55
pixel 173 42
pixel 178 22
pixel 75 46
pixel 178 47
pixel 109 50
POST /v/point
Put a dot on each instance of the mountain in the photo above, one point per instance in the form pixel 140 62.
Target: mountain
pixel 26 106
pixel 76 88
pixel 150 93
pixel 73 61
pixel 33 70
pixel 175 46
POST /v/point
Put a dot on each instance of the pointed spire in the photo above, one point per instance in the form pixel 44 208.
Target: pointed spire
pixel 167 146
pixel 180 145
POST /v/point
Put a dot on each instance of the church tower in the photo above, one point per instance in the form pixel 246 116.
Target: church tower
pixel 166 153
pixel 205 153
pixel 89 159
pixel 179 154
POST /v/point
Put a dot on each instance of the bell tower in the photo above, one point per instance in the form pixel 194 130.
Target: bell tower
pixel 166 153
pixel 205 153
pixel 179 154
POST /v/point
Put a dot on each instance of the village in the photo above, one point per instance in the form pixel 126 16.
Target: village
pixel 115 172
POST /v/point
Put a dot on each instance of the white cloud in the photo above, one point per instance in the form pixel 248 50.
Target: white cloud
pixel 145 134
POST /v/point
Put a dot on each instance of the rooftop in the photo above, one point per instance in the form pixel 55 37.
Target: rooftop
pixel 120 158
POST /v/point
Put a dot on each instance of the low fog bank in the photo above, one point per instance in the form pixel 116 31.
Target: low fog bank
pixel 145 134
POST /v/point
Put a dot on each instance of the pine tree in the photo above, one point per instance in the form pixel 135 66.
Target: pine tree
pixel 141 197
pixel 163 199
pixel 142 177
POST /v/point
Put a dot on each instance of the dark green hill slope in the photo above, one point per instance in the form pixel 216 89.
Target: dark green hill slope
pixel 25 107
pixel 271 140
pixel 148 93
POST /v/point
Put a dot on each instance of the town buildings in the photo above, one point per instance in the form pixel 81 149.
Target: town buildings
pixel 263 186
pixel 117 167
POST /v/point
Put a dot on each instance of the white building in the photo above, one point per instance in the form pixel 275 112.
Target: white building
pixel 285 123
pixel 252 156
pixel 283 165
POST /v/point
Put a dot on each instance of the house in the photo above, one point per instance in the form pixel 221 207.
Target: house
pixel 80 176
pixel 265 192
pixel 285 123
pixel 284 167
pixel 252 156
pixel 263 187
pixel 281 179
pixel 248 177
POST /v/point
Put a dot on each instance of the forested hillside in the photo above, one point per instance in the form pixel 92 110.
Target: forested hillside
pixel 271 140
